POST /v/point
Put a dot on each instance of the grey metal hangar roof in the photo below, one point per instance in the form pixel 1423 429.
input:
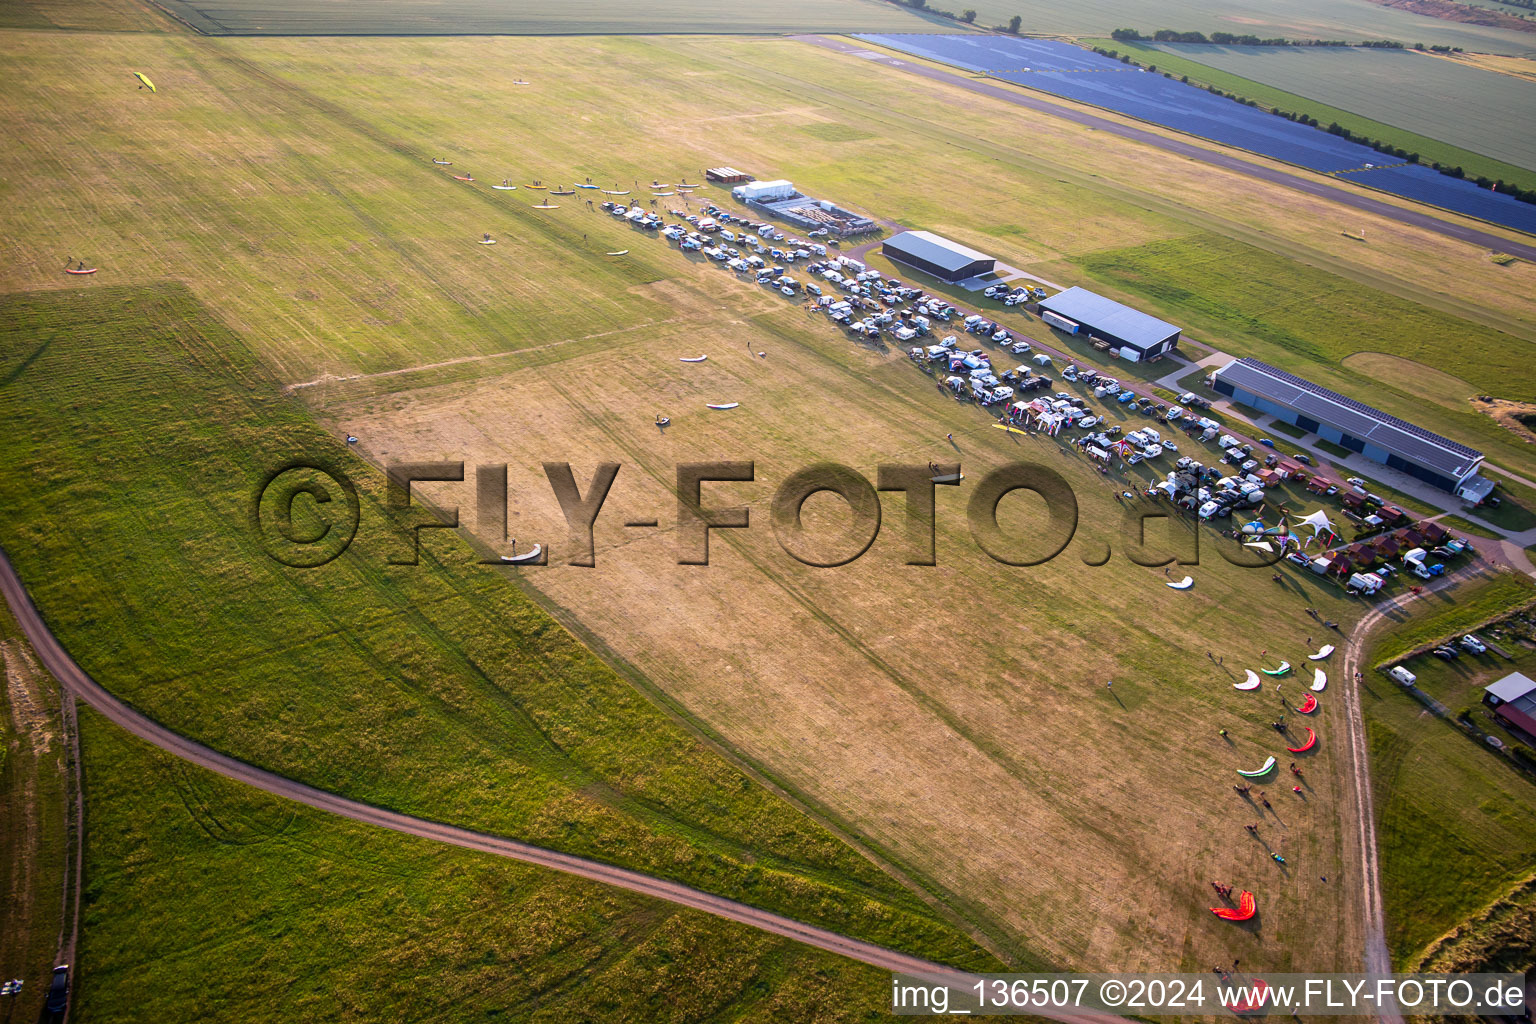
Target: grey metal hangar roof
pixel 1512 687
pixel 1355 418
pixel 941 252
pixel 1106 316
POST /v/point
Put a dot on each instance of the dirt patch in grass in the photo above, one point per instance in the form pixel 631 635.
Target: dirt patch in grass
pixel 1519 418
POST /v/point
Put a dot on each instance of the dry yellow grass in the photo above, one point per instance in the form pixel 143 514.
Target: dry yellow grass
pixel 957 715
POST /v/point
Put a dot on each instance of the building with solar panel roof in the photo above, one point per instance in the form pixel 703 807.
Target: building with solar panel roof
pixel 1372 433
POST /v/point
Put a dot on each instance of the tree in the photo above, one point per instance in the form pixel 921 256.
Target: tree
pixel 918 4
pixel 1128 35
pixel 968 16
pixel 1014 23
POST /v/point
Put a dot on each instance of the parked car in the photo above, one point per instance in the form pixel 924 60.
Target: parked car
pixel 1473 644
pixel 58 990
pixel 1303 458
pixel 1298 559
pixel 1266 442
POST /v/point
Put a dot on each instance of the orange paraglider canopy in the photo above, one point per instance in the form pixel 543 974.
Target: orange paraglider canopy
pixel 1243 911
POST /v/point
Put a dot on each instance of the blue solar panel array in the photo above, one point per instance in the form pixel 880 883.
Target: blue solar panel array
pixel 1415 181
pixel 998 53
pixel 1075 73
pixel 1173 104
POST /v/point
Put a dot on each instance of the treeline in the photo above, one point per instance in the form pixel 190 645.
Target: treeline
pixel 1525 195
pixel 1168 35
pixel 965 17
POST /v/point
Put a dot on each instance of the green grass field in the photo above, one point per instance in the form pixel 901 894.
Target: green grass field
pixel 208 900
pixel 1447 112
pixel 1517 506
pixel 434 689
pixel 1310 322
pixel 1457 826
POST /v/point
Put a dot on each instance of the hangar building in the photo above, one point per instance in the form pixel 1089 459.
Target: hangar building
pixel 928 252
pixel 1137 335
pixel 1354 425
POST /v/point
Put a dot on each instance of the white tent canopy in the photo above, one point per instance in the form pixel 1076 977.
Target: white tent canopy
pixel 1318 521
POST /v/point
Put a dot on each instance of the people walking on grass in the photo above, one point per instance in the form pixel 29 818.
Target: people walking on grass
pixel 1253 829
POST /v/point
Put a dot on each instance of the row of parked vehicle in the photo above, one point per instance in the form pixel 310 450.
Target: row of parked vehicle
pixel 1453 650
pixel 1449 651
pixel 1016 296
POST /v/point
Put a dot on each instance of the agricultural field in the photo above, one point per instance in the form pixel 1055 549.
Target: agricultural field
pixel 1349 20
pixel 925 756
pixel 582 17
pixel 1482 112
pixel 1175 61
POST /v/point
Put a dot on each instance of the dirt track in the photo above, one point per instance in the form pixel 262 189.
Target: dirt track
pixel 1312 186
pixel 74 679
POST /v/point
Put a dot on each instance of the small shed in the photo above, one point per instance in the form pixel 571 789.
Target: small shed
pixel 1513 700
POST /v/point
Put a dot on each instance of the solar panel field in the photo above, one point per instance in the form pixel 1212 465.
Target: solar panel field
pixel 1466 106
pixel 1033 63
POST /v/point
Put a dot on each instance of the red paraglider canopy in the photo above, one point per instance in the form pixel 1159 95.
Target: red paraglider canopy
pixel 1311 742
pixel 1243 911
pixel 1309 705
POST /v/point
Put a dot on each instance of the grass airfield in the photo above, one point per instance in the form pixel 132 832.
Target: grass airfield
pixel 953 720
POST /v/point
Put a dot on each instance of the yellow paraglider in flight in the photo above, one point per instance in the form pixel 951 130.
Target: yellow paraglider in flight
pixel 145 80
